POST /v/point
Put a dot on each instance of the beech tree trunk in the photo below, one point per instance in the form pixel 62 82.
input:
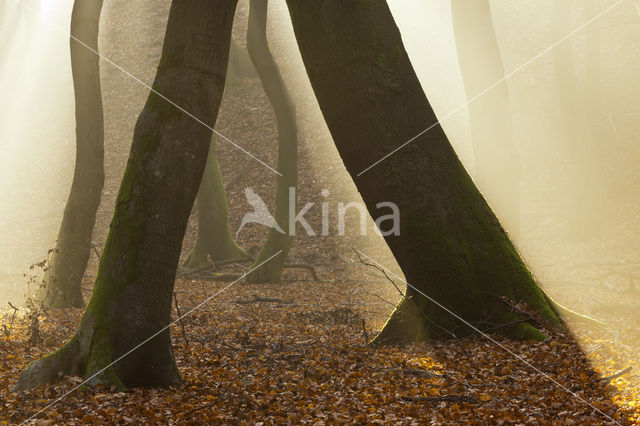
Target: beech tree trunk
pixel 67 262
pixel 267 68
pixel 496 157
pixel 131 299
pixel 214 237
pixel 451 247
pixel 583 192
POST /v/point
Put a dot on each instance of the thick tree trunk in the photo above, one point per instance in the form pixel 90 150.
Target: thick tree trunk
pixel 451 247
pixel 67 262
pixel 214 237
pixel 131 299
pixel 497 159
pixel 274 86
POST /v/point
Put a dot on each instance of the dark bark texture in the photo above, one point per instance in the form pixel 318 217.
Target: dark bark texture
pixel 267 68
pixel 67 262
pixel 131 300
pixel 451 246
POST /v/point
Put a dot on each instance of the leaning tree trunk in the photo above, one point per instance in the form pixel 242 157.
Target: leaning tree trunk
pixel 214 237
pixel 131 299
pixel 497 160
pixel 274 86
pixel 450 247
pixel 67 262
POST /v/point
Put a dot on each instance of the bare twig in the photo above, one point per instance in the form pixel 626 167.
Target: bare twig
pixel 445 398
pixel 184 331
pixel 94 247
pixel 365 333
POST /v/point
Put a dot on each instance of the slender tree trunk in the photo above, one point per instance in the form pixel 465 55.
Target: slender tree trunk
pixel 578 107
pixel 131 299
pixel 497 159
pixel 67 262
pixel 274 86
pixel 451 247
pixel 214 237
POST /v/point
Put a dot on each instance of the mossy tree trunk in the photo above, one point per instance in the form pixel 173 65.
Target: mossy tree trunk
pixel 496 157
pixel 67 262
pixel 451 247
pixel 267 68
pixel 131 299
pixel 214 237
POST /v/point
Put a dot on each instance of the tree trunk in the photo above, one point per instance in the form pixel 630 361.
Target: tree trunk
pixel 583 193
pixel 451 247
pixel 497 160
pixel 274 86
pixel 67 262
pixel 214 237
pixel 131 299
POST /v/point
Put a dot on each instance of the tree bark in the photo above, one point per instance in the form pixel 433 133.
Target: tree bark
pixel 67 262
pixel 496 157
pixel 267 68
pixel 214 237
pixel 132 296
pixel 451 247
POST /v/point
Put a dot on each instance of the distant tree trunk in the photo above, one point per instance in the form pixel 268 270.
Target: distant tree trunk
pixel 274 86
pixel 451 246
pixel 578 107
pixel 497 160
pixel 67 262
pixel 131 299
pixel 214 237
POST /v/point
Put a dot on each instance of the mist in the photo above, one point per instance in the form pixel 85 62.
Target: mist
pixel 546 121
pixel 37 139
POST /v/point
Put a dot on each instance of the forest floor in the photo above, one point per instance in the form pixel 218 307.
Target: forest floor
pixel 301 356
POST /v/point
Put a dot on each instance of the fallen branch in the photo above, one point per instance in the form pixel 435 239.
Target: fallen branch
pixel 218 265
pixel 445 398
pixel 608 379
pixel 259 299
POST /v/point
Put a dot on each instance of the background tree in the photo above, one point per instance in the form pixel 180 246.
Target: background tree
pixel 67 262
pixel 267 68
pixel 214 239
pixel 579 106
pixel 451 247
pixel 132 295
pixel 496 157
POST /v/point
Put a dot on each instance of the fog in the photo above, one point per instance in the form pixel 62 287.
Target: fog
pixel 36 137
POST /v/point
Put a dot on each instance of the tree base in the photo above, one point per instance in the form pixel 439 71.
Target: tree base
pixel 91 356
pixel 408 324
